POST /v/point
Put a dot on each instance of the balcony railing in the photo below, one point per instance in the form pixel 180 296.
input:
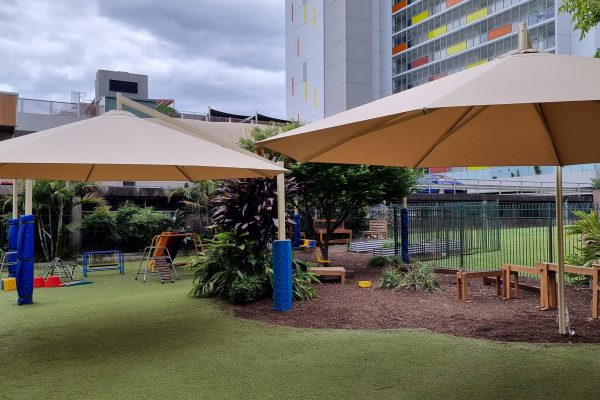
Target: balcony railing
pixel 46 107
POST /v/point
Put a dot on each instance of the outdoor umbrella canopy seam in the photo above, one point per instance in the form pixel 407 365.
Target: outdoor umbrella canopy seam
pixel 525 91
pixel 511 111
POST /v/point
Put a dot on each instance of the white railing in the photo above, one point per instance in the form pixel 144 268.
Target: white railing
pixel 499 186
pixel 47 107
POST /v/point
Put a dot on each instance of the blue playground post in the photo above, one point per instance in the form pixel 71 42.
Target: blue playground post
pixel 13 238
pixel 25 252
pixel 282 275
pixel 404 234
pixel 297 221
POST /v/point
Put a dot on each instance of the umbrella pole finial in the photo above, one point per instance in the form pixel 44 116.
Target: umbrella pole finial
pixel 523 37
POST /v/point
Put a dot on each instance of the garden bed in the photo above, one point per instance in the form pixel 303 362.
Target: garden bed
pixel 487 316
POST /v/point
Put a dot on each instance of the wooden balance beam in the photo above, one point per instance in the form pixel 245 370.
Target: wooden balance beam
pixel 463 277
pixel 548 283
pixel 512 270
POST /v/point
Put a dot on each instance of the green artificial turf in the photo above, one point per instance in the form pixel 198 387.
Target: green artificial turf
pixel 122 339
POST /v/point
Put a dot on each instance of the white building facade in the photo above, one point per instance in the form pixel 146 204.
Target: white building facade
pixel 344 53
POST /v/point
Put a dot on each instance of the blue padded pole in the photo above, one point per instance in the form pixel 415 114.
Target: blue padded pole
pixel 25 252
pixel 404 234
pixel 297 222
pixel 13 238
pixel 282 275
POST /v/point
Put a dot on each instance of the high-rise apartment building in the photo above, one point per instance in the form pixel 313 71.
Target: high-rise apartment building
pixel 344 53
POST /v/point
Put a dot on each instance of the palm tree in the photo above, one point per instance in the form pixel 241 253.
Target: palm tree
pixel 195 198
pixel 52 201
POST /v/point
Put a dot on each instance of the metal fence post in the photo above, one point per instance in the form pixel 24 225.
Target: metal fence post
pixel 550 235
pixel 396 244
pixel 461 232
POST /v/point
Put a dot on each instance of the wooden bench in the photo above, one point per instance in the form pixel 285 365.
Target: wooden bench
pixel 320 228
pixel 512 271
pixel 377 229
pixel 463 277
pixel 548 284
pixel 330 271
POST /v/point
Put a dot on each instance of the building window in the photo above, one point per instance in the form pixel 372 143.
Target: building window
pixel 122 86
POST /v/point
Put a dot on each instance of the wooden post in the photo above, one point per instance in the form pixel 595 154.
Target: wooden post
pixel 28 196
pixel 595 290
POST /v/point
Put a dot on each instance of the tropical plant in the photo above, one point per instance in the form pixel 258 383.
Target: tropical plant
pixel 52 202
pixel 195 199
pixel 390 278
pixel 228 258
pixel 302 288
pixel 334 192
pixel 248 288
pixel 249 206
pixel 587 225
pixel 595 183
pixel 420 277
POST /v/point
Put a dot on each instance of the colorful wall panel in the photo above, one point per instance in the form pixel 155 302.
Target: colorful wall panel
pixel 399 6
pixel 419 17
pixel 474 16
pixel 399 48
pixel 419 61
pixel 456 48
pixel 437 32
pixel 451 3
pixel 476 63
pixel 499 32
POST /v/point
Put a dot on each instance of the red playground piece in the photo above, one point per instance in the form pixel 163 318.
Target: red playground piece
pixel 53 281
pixel 38 282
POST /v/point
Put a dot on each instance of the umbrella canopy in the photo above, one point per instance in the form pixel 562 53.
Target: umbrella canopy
pixel 527 108
pixel 120 146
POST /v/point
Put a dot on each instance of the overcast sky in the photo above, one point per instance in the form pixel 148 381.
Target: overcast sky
pixel 228 54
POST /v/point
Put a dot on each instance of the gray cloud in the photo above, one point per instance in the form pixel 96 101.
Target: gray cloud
pixel 227 54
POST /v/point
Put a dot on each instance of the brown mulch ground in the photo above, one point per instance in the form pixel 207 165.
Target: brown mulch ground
pixel 486 316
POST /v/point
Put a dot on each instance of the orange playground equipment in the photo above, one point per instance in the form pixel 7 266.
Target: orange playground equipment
pixel 165 247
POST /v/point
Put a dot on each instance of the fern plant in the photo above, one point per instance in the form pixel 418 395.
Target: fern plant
pixel 587 225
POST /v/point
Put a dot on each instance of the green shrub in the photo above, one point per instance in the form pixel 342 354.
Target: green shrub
pixel 302 288
pixel 390 278
pixel 384 261
pixel 227 258
pixel 137 226
pixel 247 289
pixel 377 262
pixel 100 228
pixel 420 278
pixel 587 226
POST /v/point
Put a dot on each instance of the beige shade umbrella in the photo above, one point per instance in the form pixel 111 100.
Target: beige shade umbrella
pixel 120 146
pixel 521 109
pixel 526 108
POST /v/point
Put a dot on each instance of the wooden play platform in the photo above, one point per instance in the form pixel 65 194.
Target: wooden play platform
pixel 330 271
pixel 547 275
pixel 340 235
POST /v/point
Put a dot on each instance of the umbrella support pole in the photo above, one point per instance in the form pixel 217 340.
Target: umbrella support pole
pixel 562 308
pixel 15 199
pixel 28 197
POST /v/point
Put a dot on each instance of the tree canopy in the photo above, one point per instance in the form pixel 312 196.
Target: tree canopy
pixel 585 14
pixel 337 193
